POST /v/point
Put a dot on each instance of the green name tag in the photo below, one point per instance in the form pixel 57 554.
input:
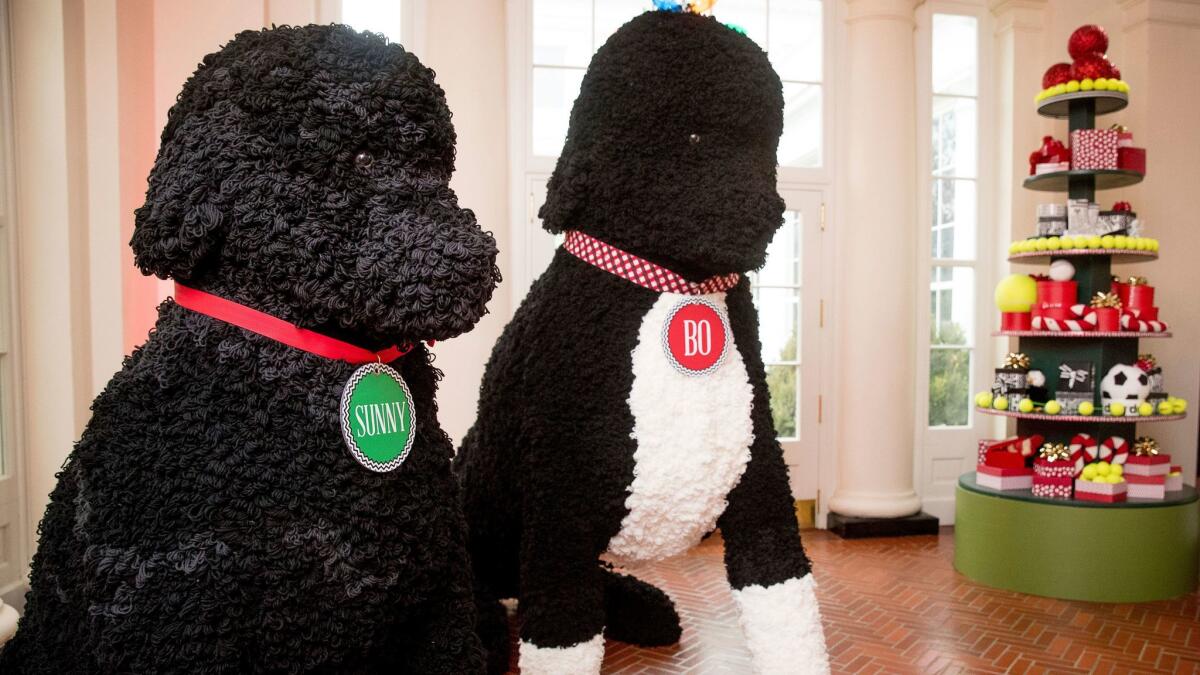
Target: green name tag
pixel 377 417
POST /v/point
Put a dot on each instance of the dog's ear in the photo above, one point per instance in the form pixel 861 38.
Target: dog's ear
pixel 178 226
pixel 568 188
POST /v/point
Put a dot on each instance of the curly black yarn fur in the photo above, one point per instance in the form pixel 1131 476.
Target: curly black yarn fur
pixel 211 520
pixel 670 155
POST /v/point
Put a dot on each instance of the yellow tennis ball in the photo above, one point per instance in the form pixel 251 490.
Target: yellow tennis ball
pixel 1016 293
pixel 1025 406
pixel 1072 86
pixel 1103 469
pixel 1121 241
pixel 1100 83
pixel 983 399
pixel 1145 409
pixel 1179 405
pixel 1086 408
pixel 1108 241
pixel 1116 470
pixel 1053 407
pixel 1001 403
pixel 1081 241
pixel 1089 472
pixel 1165 408
pixel 1039 244
pixel 1086 84
pixel 1012 248
pixel 1094 241
pixel 1053 244
pixel 1117 409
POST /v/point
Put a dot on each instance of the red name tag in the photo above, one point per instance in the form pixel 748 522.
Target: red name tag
pixel 696 336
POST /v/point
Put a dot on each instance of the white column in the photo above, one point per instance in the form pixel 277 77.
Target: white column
pixel 8 622
pixel 1159 43
pixel 876 280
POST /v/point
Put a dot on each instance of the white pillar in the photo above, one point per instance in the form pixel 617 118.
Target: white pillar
pixel 8 622
pixel 876 279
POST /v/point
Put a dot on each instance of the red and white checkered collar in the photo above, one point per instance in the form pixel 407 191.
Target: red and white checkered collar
pixel 639 270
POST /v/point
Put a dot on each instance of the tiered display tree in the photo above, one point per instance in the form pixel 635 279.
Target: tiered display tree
pixel 1078 389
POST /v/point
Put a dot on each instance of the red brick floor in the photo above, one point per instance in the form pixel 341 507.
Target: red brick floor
pixel 898 606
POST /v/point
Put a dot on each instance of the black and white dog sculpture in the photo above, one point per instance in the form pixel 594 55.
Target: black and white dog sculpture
pixel 625 408
pixel 211 520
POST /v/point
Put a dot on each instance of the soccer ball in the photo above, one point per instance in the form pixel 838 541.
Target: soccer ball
pixel 1125 384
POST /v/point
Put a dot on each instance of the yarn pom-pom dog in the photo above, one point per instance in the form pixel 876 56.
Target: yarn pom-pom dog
pixel 625 407
pixel 213 519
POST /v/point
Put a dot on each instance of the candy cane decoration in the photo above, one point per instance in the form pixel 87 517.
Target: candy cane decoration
pixel 1065 325
pixel 1114 450
pixel 1083 450
pixel 1086 314
pixel 1131 322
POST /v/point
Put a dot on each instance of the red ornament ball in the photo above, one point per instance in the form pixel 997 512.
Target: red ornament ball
pixel 1090 66
pixel 1089 39
pixel 1114 73
pixel 1056 74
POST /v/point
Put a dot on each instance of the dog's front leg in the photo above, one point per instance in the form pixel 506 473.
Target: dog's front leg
pixel 770 574
pixel 561 600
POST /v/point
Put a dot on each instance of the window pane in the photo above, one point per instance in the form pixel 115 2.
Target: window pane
pixel 783 255
pixel 949 384
pixel 784 389
pixel 954 216
pixel 562 32
pixel 750 15
pixel 801 142
pixel 374 16
pixel 778 323
pixel 955 55
pixel 795 39
pixel 612 14
pixel 955 137
pixel 952 306
pixel 554 91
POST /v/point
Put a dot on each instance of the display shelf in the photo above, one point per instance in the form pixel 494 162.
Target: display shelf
pixel 1118 255
pixel 1079 419
pixel 1059 107
pixel 1140 550
pixel 1085 334
pixel 1105 179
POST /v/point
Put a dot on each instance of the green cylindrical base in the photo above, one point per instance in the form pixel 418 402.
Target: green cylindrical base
pixel 1134 553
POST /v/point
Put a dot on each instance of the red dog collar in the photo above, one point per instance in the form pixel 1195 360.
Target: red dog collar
pixel 279 330
pixel 639 270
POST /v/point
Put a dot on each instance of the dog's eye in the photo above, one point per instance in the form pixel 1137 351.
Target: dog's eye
pixel 694 139
pixel 364 160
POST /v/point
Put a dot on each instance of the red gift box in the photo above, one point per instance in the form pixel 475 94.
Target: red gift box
pixel 1004 479
pixel 1052 488
pixel 1140 296
pixel 989 444
pixel 1132 159
pixel 1093 491
pixel 1016 320
pixel 1107 318
pixel 1153 465
pixel 1124 139
pixel 1146 487
pixel 1003 459
pixel 1059 468
pixel 1094 149
pixel 1056 295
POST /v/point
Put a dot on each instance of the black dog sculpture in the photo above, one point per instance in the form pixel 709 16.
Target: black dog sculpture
pixel 211 519
pixel 602 427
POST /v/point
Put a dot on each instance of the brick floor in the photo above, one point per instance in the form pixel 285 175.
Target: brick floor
pixel 898 606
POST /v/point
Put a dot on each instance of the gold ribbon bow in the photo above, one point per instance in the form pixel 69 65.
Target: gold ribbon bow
pixel 1149 360
pixel 1120 128
pixel 1053 452
pixel 1016 360
pixel 1137 281
pixel 1101 300
pixel 1145 446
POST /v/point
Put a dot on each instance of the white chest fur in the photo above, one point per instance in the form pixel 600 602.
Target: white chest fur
pixel 693 435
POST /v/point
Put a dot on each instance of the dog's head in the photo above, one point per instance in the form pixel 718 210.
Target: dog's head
pixel 670 152
pixel 305 172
